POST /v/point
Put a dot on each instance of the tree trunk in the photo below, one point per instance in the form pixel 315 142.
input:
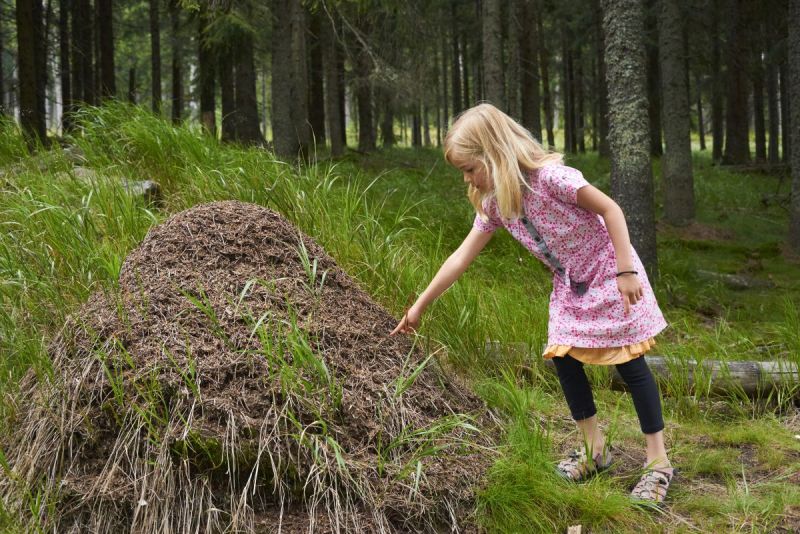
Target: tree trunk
pixel 756 49
pixel 444 103
pixel 416 128
pixel 426 131
pixel 177 72
pixel 341 74
pixel 529 65
pixel 717 93
pixel 85 45
pixel 737 144
pixel 155 55
pixel 793 61
pixel 631 172
pixel 332 96
pixel 772 97
pixel 105 33
pixel 753 378
pixel 786 110
pixel 653 77
pixel 465 54
pixel 701 127
pixel 64 65
pixel 247 128
pixel 316 93
pixel 547 100
pixel 290 130
pixel 512 59
pixel 455 65
pixel 29 32
pixel 566 92
pixel 387 121
pixel 676 164
pixel 205 74
pixel 602 91
pixel 580 120
pixel 228 96
pixel 76 54
pixel 494 89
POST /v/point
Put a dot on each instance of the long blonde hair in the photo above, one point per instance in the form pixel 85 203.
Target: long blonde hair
pixel 506 148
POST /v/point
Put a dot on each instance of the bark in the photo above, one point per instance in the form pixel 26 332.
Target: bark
pixel 786 107
pixel 529 65
pixel 177 71
pixel 290 130
pixel 332 96
pixel 416 128
pixel 676 164
pixel 155 55
pixel 547 101
pixel 247 130
pixel 701 127
pixel 772 97
pixel 580 120
pixel 363 93
pixel 494 90
pixel 455 65
pixel 387 121
pixel 105 34
pixel 29 31
pixel 341 74
pixel 205 68
pixel 316 93
pixel 653 77
pixel 444 103
pixel 793 61
pixel 601 92
pixel 426 131
pixel 512 66
pixel 228 96
pixel 465 52
pixel 757 70
pixel 631 172
pixel 717 92
pixel 86 50
pixel 64 65
pixel 566 93
pixel 737 145
pixel 76 74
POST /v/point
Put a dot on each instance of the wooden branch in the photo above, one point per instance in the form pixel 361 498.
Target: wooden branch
pixel 751 378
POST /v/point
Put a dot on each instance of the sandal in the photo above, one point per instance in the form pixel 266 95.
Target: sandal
pixel 653 486
pixel 577 467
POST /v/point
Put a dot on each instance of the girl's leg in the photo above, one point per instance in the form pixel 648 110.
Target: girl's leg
pixel 647 402
pixel 578 393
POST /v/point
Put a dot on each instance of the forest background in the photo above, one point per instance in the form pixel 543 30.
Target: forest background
pixel 687 113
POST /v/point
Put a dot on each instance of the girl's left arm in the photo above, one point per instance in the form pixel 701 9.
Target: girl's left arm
pixel 592 199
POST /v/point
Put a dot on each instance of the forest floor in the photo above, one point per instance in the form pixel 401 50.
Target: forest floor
pixel 389 219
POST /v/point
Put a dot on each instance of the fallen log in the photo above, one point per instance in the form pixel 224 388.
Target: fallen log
pixel 751 378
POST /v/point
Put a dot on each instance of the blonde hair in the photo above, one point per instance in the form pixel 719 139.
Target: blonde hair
pixel 506 148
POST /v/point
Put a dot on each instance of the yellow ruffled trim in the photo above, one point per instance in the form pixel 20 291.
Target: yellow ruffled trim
pixel 602 355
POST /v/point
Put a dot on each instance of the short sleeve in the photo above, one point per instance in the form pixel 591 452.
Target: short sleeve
pixel 562 182
pixel 492 222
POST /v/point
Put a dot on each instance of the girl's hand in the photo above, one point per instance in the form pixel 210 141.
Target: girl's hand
pixel 631 289
pixel 409 323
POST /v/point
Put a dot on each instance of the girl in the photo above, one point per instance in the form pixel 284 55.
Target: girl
pixel 602 308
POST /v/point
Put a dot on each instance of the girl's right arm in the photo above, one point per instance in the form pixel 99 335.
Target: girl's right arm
pixel 448 273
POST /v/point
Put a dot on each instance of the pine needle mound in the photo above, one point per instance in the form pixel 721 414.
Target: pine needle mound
pixel 242 382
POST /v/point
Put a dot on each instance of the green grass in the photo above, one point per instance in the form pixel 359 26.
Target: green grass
pixel 390 219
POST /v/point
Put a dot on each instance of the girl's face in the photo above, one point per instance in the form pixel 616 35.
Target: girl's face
pixel 475 174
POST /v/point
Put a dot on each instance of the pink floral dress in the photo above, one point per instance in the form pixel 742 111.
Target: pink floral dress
pixel 591 326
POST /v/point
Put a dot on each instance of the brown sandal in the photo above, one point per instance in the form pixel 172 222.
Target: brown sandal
pixel 577 467
pixel 653 486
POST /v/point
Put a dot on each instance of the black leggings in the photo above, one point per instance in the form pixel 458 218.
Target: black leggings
pixel 637 376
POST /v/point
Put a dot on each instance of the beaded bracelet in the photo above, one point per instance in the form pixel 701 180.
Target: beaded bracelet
pixel 626 272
